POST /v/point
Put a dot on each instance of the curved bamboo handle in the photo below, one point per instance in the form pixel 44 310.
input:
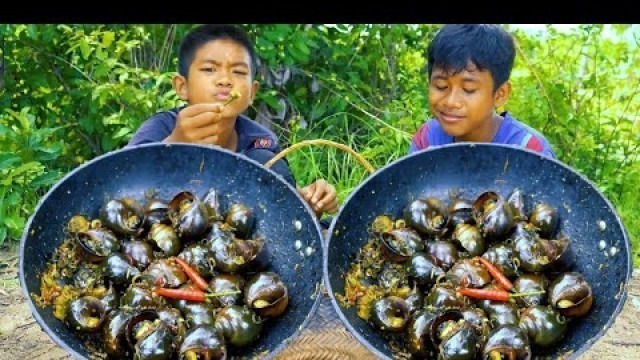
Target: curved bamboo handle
pixel 304 143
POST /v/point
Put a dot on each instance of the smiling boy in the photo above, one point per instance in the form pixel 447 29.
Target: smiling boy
pixel 468 67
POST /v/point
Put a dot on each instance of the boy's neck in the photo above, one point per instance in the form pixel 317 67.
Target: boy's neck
pixel 486 134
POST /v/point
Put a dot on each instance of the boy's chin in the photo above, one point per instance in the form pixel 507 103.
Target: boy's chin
pixel 452 130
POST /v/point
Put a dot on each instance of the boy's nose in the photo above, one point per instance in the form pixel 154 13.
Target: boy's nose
pixel 452 100
pixel 224 78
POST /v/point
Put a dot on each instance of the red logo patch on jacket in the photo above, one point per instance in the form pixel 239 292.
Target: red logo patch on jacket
pixel 262 143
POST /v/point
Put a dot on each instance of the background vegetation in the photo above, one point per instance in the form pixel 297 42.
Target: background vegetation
pixel 71 92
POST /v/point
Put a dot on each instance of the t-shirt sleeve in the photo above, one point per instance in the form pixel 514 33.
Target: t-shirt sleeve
pixel 154 129
pixel 538 144
pixel 420 140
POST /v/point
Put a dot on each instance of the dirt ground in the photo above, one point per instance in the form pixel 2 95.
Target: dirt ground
pixel 22 338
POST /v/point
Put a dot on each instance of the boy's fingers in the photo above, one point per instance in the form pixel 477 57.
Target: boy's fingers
pixel 328 200
pixel 320 189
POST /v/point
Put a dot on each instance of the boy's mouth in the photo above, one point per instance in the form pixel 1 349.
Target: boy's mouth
pixel 227 96
pixel 450 118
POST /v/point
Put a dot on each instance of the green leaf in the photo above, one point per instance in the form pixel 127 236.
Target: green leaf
pixel 107 38
pixel 8 159
pixel 3 234
pixel 46 179
pixel 85 49
pixel 14 221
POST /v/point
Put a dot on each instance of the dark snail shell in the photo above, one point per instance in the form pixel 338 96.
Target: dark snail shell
pixel 541 254
pixel 139 253
pixel 224 283
pixel 203 342
pixel 239 255
pixel 124 216
pixel 390 314
pixel 516 201
pixel 510 341
pixel 165 238
pixel 469 273
pixel 502 255
pixel 198 314
pixel 97 244
pixel 571 294
pixel 174 320
pixel 493 216
pixel 428 216
pixel 422 329
pixel 156 211
pixel 443 252
pixel 240 218
pixel 460 212
pixel 444 295
pixel 239 325
pixel 85 314
pixel 118 269
pixel 543 324
pixel 531 283
pixel 461 343
pixel 423 269
pixel 266 294
pixel 200 258
pixel 545 218
pixel 140 297
pixel 114 332
pixel 164 273
pixel 150 337
pixel 189 216
pixel 400 244
pixel 211 202
pixel 469 238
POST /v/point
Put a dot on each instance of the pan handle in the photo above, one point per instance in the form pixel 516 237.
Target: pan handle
pixel 300 144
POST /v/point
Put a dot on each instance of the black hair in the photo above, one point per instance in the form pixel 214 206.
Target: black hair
pixel 488 46
pixel 202 34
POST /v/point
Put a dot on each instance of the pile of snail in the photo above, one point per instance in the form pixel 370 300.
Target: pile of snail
pixel 467 279
pixel 164 279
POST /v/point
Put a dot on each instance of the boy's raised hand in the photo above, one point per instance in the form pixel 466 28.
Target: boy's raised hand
pixel 199 123
pixel 321 196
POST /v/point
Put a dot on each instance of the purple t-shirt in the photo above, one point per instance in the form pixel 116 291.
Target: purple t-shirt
pixel 251 135
pixel 511 131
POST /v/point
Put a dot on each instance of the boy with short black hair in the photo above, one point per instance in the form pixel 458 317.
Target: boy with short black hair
pixel 216 77
pixel 468 68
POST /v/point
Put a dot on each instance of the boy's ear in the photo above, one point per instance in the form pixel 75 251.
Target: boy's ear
pixel 254 90
pixel 502 94
pixel 180 86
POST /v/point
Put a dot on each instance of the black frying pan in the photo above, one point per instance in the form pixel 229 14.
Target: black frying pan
pixel 171 169
pixel 473 169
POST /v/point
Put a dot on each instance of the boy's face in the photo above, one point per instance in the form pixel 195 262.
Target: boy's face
pixel 464 103
pixel 219 67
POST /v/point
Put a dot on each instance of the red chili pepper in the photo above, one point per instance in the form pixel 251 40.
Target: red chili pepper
pixel 502 280
pixel 496 295
pixel 191 294
pixel 193 274
pixel 182 294
pixel 485 294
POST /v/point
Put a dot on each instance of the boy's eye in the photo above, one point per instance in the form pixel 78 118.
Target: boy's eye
pixel 440 87
pixel 240 72
pixel 469 91
pixel 208 69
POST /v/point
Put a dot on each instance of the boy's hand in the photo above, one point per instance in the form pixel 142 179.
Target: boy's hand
pixel 199 123
pixel 321 196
